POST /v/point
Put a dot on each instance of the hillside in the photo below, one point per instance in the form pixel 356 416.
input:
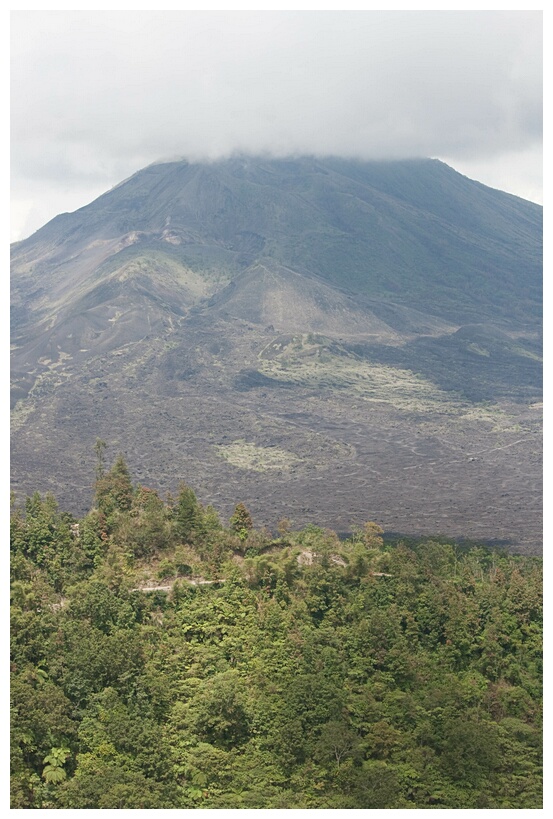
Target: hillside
pixel 163 659
pixel 378 323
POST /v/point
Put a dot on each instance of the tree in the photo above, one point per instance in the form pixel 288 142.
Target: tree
pixel 186 513
pixel 44 536
pixel 147 528
pixel 114 490
pixel 54 772
pixel 241 521
pixel 470 749
pixel 217 713
pixel 337 742
pixel 372 535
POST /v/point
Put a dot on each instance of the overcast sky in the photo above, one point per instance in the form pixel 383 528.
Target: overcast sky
pixel 97 95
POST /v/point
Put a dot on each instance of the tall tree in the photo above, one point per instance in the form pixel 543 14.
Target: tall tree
pixel 114 490
pixel 241 521
pixel 186 513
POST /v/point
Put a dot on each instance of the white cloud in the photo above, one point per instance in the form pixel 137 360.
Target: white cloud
pixel 97 95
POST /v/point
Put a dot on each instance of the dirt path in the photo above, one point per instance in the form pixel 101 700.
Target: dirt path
pixel 197 582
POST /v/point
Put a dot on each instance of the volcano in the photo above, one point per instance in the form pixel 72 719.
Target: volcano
pixel 327 340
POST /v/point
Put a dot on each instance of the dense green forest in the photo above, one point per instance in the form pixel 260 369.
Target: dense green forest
pixel 160 659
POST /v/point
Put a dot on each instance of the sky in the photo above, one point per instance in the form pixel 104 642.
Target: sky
pixel 98 95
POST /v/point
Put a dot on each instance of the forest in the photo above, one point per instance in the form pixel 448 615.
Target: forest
pixel 161 658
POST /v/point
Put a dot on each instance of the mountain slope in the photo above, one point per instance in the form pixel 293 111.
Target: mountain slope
pixel 350 314
pixel 417 230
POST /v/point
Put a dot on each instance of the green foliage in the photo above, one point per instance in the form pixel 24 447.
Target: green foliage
pixel 147 529
pixel 337 743
pixel 217 714
pixel 186 514
pixel 314 673
pixel 241 521
pixel 114 490
pixel 43 535
pixel 54 772
pixel 92 536
pixel 372 535
pixel 166 569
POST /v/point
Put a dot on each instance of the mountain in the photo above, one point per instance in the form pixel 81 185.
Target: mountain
pixel 366 335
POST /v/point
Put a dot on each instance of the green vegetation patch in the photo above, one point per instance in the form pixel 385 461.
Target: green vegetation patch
pixel 247 455
pixel 161 659
pixel 161 267
pixel 308 361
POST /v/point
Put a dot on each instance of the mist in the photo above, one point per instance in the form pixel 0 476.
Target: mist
pixel 99 95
